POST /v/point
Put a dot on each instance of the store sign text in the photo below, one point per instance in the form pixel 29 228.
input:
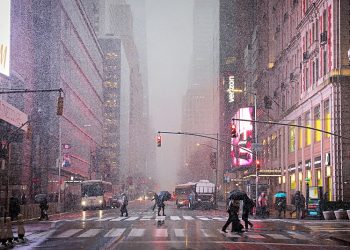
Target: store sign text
pixel 230 90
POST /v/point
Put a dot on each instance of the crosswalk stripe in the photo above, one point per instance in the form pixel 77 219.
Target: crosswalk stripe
pixel 132 218
pixel 278 236
pixel 298 235
pixel 118 219
pixel 147 217
pixel 203 218
pixel 115 232
pixel 104 219
pixel 175 218
pixel 161 232
pixel 68 233
pixel 219 218
pixel 179 232
pixel 90 233
pixel 136 232
pixel 93 218
pixel 188 217
pixel 255 236
pixel 206 233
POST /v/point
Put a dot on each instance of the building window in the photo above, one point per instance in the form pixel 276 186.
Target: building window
pixel 318 124
pixel 316 70
pixel 324 62
pixel 293 183
pixel 300 134
pixel 306 78
pixel 327 117
pixel 308 131
pixel 318 177
pixel 291 139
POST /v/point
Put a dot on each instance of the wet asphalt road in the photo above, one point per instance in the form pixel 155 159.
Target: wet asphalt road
pixel 182 229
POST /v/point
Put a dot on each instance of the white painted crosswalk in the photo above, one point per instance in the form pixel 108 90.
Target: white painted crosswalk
pixel 149 217
pixel 177 233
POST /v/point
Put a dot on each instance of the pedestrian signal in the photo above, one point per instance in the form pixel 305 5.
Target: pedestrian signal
pixel 60 105
pixel 159 141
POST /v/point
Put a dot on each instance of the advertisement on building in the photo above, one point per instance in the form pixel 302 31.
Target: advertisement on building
pixel 5 25
pixel 241 145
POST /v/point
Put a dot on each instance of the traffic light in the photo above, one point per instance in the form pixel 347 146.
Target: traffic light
pixel 60 105
pixel 257 163
pixel 159 141
pixel 233 131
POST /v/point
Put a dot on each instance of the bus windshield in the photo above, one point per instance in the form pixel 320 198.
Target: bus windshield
pixel 91 189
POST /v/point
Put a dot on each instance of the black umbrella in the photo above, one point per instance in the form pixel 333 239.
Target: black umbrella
pixel 164 195
pixel 40 197
pixel 237 195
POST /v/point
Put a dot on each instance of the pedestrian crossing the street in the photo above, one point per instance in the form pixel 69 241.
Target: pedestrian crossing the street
pixel 176 233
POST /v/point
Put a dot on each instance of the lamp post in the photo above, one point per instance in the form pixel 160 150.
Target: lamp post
pixel 256 139
pixel 216 163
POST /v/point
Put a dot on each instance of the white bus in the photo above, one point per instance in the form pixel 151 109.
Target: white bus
pixel 96 194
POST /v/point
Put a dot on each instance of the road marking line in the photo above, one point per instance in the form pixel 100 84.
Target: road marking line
pixel 278 236
pixel 298 235
pixel 255 236
pixel 175 218
pixel 68 233
pixel 90 233
pixel 93 218
pixel 161 233
pixel 179 232
pixel 207 233
pixel 115 232
pixel 160 218
pixel 188 217
pixel 136 232
pixel 118 219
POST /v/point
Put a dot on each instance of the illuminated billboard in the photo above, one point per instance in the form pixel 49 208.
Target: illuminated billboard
pixel 241 144
pixel 5 24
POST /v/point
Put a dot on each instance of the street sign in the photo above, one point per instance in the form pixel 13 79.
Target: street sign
pixel 257 147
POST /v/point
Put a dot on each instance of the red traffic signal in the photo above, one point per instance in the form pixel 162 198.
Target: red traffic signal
pixel 159 141
pixel 257 163
pixel 233 131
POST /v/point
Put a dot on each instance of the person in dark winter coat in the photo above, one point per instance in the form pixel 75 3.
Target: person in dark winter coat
pixel 281 205
pixel 14 208
pixel 161 205
pixel 233 209
pixel 155 198
pixel 299 203
pixel 123 208
pixel 43 209
pixel 248 205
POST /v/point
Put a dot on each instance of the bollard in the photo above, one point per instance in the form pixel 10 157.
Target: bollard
pixel 9 233
pixel 21 232
pixel 2 231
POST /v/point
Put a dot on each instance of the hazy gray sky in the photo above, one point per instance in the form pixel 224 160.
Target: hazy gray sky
pixel 169 38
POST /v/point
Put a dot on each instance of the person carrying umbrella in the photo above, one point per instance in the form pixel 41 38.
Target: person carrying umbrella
pixel 248 205
pixel 162 197
pixel 281 204
pixel 233 209
pixel 123 208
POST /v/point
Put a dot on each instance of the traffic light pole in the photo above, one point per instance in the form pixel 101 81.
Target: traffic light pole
pixel 256 153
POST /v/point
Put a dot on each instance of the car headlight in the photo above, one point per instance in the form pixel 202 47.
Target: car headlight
pixel 100 201
pixel 83 203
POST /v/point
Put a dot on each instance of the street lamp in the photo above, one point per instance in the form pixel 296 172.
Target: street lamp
pixel 256 138
pixel 216 163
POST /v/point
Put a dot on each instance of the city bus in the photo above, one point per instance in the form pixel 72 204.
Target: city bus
pixel 96 194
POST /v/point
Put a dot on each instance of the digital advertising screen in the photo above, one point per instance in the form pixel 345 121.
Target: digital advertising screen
pixel 241 144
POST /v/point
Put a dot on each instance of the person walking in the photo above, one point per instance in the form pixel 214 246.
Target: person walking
pixel 297 200
pixel 123 208
pixel 281 205
pixel 43 209
pixel 262 201
pixel 161 205
pixel 248 206
pixel 155 198
pixel 233 209
pixel 14 207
